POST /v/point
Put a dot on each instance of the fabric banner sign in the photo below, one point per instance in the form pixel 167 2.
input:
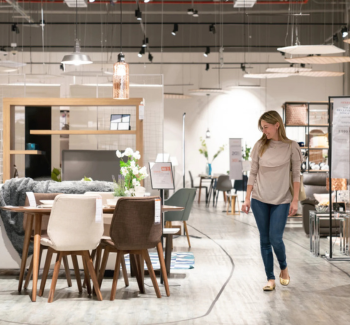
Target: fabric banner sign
pixel 236 171
pixel 340 138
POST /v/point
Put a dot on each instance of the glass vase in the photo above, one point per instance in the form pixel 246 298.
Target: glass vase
pixel 208 169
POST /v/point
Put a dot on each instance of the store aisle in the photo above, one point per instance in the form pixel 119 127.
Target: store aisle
pixel 225 287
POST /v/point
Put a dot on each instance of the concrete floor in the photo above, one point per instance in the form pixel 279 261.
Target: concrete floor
pixel 225 287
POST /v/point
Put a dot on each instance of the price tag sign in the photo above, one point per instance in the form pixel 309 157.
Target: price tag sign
pixel 157 211
pixel 31 199
pixel 98 216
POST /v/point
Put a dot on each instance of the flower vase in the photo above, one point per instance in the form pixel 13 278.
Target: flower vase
pixel 208 169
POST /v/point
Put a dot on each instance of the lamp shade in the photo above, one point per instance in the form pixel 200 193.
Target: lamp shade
pixel 76 58
pixel 338 184
pixel 121 79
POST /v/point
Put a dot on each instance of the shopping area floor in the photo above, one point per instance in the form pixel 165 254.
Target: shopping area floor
pixel 225 287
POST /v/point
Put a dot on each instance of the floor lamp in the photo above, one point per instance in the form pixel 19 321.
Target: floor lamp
pixel 183 153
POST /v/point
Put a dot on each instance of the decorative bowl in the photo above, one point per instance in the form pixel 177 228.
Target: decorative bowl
pixel 322 208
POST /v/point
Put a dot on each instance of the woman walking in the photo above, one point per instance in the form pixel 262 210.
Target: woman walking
pixel 273 156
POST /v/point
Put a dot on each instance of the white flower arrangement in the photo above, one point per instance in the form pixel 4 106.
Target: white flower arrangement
pixel 132 172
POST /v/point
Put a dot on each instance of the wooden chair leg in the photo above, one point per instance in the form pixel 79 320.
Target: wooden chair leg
pixel 77 272
pixel 55 277
pixel 90 267
pixel 151 272
pixel 29 275
pixel 66 268
pixel 103 266
pixel 116 275
pixel 46 271
pixel 93 252
pixel 87 278
pixel 125 273
pixel 163 268
pixel 188 237
pixel 135 260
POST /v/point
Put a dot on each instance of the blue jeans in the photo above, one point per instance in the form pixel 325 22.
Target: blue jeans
pixel 271 220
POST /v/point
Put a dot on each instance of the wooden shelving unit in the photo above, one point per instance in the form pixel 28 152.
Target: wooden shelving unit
pixel 307 128
pixel 9 105
pixel 80 132
pixel 27 152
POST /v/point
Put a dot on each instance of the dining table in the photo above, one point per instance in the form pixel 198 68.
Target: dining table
pixel 34 216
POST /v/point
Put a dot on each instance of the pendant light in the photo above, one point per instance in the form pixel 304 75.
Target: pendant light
pixel 76 58
pixel 121 69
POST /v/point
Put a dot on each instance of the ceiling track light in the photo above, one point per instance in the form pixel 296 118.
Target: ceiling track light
pixel 302 65
pixel 207 67
pixel 150 57
pixel 195 13
pixel 62 67
pixel 243 68
pixel 344 31
pixel 142 52
pixel 14 28
pixel 212 28
pixel 207 51
pixel 335 37
pixel 145 42
pixel 138 13
pixel 175 30
pixel 190 11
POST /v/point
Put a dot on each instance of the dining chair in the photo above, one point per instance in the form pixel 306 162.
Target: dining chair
pixel 196 187
pixel 107 219
pixel 28 221
pixel 223 185
pixel 134 231
pixel 75 227
pixel 183 197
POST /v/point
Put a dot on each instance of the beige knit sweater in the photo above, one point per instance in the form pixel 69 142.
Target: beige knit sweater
pixel 269 174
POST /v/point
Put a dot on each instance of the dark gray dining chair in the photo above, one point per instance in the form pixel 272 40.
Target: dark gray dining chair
pixel 223 185
pixel 192 186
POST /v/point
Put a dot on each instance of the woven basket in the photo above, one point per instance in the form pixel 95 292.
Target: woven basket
pixel 296 115
pixel 315 156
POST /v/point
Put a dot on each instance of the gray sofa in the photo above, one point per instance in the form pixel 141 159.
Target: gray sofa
pixel 315 183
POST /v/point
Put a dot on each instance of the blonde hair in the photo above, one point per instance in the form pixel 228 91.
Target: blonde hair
pixel 271 117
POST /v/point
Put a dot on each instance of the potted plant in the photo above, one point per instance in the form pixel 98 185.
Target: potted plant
pixel 132 172
pixel 246 164
pixel 204 151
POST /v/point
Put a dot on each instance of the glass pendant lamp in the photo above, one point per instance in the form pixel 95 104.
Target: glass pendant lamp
pixel 121 69
pixel 121 78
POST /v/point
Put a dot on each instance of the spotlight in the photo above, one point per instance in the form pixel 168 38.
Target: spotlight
pixel 190 11
pixel 243 67
pixel 62 67
pixel 150 57
pixel 145 42
pixel 3 51
pixel 207 67
pixel 207 51
pixel 207 134
pixel 175 30
pixel 195 13
pixel 212 28
pixel 335 37
pixel 291 65
pixel 283 54
pixel 344 31
pixel 142 52
pixel 14 28
pixel 138 13
pixel 302 65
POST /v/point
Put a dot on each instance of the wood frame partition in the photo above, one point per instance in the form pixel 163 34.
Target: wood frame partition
pixel 9 123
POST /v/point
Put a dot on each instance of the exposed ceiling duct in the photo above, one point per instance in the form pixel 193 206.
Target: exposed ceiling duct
pixel 14 4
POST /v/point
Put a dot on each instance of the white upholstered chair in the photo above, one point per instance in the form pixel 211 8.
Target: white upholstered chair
pixel 73 229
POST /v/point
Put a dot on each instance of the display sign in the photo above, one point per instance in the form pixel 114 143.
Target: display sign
pixel 340 138
pixel 161 174
pixel 236 170
pixel 31 199
pixel 157 211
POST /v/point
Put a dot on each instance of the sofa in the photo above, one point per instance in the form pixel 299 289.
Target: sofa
pixel 315 183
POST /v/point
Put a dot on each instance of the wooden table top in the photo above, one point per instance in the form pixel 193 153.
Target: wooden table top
pixel 165 208
pixel 208 176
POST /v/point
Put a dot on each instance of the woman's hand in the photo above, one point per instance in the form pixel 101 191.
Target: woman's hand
pixel 246 206
pixel 293 208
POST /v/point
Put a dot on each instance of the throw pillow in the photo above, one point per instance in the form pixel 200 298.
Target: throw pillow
pixel 324 198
